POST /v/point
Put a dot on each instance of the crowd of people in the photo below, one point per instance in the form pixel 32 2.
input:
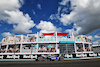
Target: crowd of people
pixel 80 48
pixel 46 49
pixel 12 50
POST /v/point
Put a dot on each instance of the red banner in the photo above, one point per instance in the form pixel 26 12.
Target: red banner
pixel 62 34
pixel 48 34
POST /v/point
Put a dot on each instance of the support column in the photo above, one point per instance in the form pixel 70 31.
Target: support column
pixel 89 47
pixel 37 41
pixel 21 38
pixel 75 47
pixel 56 47
pixel 56 36
pixel 56 42
pixel 20 47
pixel 49 49
pixel 83 47
pixel 6 48
pixel 37 36
pixel 37 47
pixel 66 49
pixel 72 36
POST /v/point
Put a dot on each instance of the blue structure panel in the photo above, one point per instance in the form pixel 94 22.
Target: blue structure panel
pixel 67 42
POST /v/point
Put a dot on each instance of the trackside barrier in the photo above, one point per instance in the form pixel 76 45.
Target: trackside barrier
pixel 34 56
pixel 1 57
pixel 29 56
pixel 25 56
pixel 98 54
pixel 92 54
pixel 95 54
pixel 10 56
pixel 16 56
pixel 75 55
pixel 79 55
pixel 84 55
pixel 13 56
pixel 69 55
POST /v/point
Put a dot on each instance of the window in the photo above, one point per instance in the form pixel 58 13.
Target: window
pixel 3 49
pixel 87 47
pixel 47 48
pixel 13 48
pixel 70 48
pixel 29 48
pixel 79 47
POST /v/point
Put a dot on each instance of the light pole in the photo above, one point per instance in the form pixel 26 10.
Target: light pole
pixel 31 49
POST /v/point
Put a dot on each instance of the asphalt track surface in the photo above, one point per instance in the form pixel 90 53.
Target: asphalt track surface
pixel 72 63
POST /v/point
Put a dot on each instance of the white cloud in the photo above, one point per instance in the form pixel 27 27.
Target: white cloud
pixel 11 6
pixel 96 36
pixel 63 2
pixel 38 6
pixel 97 41
pixel 21 26
pixel 47 26
pixel 75 32
pixel 22 1
pixel 9 12
pixel 6 34
pixel 66 19
pixel 85 15
pixel 55 16
pixel 91 37
pixel 33 12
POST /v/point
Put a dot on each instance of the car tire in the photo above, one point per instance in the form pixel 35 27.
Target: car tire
pixel 61 58
pixel 40 58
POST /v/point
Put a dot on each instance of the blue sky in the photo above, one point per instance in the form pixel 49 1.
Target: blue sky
pixel 31 16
